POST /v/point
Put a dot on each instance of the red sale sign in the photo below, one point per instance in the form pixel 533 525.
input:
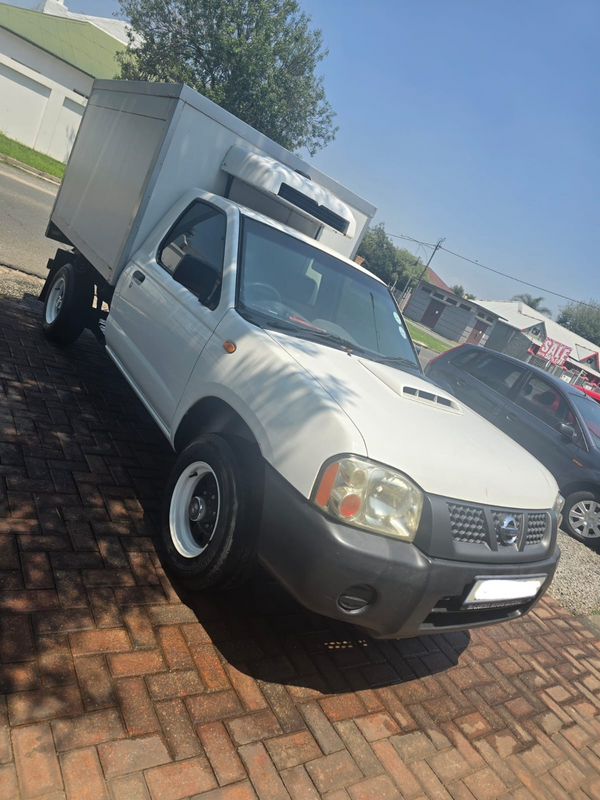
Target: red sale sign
pixel 554 351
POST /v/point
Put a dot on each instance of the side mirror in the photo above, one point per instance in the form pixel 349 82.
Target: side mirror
pixel 566 430
pixel 418 349
pixel 200 277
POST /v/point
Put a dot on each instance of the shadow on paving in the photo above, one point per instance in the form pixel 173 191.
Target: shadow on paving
pixel 84 468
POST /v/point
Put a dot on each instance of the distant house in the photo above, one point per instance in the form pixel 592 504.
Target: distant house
pixel 434 305
pixel 521 330
pixel 48 64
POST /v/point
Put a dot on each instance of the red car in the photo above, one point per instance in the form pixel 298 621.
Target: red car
pixel 595 395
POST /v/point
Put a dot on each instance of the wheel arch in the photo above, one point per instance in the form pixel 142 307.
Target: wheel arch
pixel 580 486
pixel 213 415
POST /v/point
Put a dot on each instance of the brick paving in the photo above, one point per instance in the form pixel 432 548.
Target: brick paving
pixel 115 685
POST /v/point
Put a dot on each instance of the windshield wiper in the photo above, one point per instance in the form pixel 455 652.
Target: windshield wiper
pixel 399 360
pixel 304 332
pixel 319 334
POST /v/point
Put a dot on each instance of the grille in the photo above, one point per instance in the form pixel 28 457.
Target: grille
pixel 323 213
pixel 499 517
pixel 467 524
pixel 536 528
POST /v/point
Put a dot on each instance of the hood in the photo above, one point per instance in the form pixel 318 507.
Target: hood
pixel 411 425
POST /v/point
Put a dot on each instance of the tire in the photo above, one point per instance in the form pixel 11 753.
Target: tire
pixel 581 516
pixel 66 308
pixel 211 515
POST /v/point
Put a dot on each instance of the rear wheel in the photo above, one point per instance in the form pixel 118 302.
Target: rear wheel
pixel 211 515
pixel 66 308
pixel 581 516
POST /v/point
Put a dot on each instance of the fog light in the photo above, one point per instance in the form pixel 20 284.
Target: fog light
pixel 356 598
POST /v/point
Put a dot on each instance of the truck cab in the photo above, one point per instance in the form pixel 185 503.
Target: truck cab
pixel 285 378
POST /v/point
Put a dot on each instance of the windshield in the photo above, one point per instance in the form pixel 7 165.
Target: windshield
pixel 287 284
pixel 590 411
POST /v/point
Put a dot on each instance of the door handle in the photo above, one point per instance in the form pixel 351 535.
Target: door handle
pixel 138 276
pixel 460 383
pixel 511 416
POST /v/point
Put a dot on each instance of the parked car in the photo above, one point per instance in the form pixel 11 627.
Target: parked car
pixel 590 393
pixel 284 376
pixel 558 423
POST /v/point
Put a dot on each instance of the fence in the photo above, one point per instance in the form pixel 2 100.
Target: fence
pixel 575 377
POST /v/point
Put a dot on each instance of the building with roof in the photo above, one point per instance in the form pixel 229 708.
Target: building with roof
pixel 116 28
pixel 521 330
pixel 435 305
pixel 48 64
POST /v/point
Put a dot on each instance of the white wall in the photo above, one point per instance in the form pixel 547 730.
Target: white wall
pixel 41 97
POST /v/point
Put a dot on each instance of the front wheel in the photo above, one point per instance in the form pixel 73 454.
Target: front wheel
pixel 211 515
pixel 67 305
pixel 581 516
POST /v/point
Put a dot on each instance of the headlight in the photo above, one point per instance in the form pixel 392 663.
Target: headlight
pixel 558 507
pixel 369 496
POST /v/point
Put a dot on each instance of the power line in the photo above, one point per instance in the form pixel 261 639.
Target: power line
pixel 490 269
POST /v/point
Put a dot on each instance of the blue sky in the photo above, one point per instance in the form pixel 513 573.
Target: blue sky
pixel 476 120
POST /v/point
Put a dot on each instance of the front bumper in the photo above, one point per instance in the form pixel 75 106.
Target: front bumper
pixel 317 560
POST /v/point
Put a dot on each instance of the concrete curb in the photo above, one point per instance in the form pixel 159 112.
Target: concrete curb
pixel 31 170
pixel 21 271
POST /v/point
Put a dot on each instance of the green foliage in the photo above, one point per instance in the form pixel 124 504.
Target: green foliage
pixel 255 58
pixel 533 302
pixel 584 320
pixel 24 154
pixel 394 265
pixel 460 291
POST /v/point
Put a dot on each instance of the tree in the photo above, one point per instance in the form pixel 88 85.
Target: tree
pixel 390 263
pixel 459 290
pixel 533 302
pixel 255 58
pixel 582 319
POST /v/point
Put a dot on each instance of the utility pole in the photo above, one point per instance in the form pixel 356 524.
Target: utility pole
pixel 435 249
pixel 407 290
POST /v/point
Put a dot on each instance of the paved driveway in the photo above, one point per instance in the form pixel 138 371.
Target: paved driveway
pixel 117 686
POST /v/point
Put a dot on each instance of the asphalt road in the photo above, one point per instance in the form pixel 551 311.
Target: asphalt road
pixel 25 205
pixel 426 355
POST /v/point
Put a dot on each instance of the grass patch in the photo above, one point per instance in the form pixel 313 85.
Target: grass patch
pixel 430 342
pixel 26 155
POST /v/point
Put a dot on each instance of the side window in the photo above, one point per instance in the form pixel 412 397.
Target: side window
pixel 541 399
pixel 465 358
pixel 496 373
pixel 193 252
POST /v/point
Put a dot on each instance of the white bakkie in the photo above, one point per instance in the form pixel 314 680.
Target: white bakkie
pixel 217 269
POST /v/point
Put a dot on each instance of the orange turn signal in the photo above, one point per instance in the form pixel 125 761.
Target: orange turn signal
pixel 326 484
pixel 229 346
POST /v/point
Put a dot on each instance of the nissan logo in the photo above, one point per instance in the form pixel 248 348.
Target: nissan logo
pixel 509 530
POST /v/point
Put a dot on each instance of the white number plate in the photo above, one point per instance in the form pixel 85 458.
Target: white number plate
pixel 494 590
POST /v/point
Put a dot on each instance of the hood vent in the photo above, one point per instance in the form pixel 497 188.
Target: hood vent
pixel 430 399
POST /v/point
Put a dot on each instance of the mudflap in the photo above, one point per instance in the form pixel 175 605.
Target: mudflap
pixel 54 264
